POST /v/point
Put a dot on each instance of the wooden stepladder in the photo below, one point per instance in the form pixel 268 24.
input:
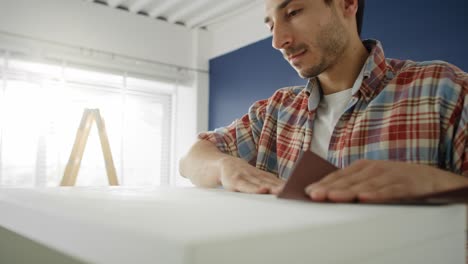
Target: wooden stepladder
pixel 74 162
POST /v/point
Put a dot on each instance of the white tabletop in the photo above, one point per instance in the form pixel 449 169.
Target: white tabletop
pixel 190 225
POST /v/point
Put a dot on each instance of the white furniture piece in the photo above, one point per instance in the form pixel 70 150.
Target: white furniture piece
pixel 204 226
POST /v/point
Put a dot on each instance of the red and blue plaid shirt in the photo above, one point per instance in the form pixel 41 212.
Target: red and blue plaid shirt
pixel 404 111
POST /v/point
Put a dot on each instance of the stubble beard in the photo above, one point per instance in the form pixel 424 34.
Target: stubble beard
pixel 332 41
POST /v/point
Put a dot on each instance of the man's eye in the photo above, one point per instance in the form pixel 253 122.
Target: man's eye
pixel 294 12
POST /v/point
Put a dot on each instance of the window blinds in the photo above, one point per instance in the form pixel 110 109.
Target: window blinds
pixel 41 104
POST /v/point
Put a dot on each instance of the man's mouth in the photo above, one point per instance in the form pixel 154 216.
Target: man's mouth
pixel 294 58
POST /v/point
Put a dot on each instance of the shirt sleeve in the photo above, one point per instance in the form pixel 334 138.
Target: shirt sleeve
pixel 240 138
pixel 460 139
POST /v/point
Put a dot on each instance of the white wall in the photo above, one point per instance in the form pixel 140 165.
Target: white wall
pixel 85 24
pixel 202 41
pixel 238 31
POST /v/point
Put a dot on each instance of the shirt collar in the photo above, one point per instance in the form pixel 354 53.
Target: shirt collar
pixel 374 71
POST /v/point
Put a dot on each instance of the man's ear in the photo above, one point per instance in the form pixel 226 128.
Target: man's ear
pixel 350 8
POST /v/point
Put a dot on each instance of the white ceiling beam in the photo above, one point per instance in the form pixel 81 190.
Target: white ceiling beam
pixel 188 9
pixel 235 11
pixel 213 13
pixel 114 3
pixel 138 6
pixel 163 7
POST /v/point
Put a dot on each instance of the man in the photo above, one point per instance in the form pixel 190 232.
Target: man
pixel 396 128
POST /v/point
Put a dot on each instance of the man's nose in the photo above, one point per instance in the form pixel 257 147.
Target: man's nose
pixel 282 37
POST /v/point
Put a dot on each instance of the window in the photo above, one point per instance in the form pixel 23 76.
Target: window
pixel 41 105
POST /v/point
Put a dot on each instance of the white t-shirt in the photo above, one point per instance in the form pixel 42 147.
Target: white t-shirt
pixel 329 111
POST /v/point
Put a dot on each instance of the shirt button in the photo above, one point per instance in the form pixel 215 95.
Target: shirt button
pixel 389 75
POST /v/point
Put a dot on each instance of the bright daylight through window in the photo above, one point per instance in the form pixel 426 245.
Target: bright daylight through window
pixel 41 106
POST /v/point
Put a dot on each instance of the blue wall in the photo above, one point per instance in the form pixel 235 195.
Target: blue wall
pixel 414 29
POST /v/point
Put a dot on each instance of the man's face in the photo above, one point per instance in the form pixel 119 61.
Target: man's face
pixel 309 34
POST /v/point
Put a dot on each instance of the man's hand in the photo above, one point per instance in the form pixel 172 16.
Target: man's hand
pixel 207 167
pixel 238 175
pixel 377 181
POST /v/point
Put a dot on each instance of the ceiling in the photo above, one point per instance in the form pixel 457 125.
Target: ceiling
pixel 187 13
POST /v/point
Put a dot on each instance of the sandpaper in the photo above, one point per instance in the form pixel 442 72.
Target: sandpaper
pixel 311 168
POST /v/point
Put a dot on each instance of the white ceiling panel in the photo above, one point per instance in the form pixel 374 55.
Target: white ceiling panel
pixel 187 13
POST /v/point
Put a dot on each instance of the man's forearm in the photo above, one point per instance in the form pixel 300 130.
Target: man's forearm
pixel 206 166
pixel 202 164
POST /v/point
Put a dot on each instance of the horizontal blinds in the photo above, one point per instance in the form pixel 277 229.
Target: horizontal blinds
pixel 49 100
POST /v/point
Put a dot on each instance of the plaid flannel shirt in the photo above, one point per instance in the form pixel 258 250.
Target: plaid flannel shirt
pixel 403 111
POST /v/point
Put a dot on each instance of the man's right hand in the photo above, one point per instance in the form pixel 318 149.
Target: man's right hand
pixel 239 176
pixel 206 166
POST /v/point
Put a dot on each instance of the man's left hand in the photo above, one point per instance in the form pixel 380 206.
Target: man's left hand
pixel 378 181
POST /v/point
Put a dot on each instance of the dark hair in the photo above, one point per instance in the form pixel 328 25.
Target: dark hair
pixel 359 14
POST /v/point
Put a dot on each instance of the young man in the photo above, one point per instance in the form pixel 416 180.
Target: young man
pixel 396 128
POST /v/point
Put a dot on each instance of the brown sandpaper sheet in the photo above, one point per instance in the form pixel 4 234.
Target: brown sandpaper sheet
pixel 312 168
